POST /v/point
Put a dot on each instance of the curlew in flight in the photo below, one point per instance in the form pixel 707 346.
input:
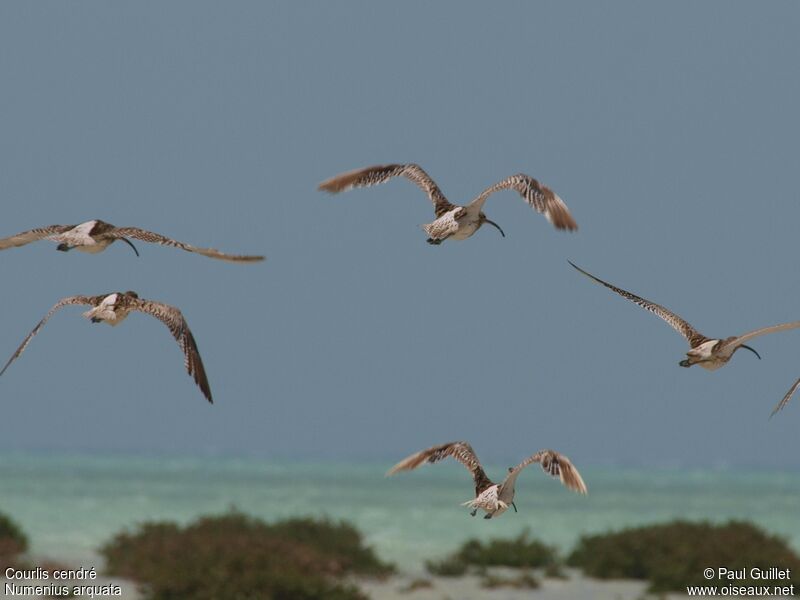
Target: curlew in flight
pixel 493 498
pixel 96 235
pixel 709 353
pixel 114 308
pixel 452 221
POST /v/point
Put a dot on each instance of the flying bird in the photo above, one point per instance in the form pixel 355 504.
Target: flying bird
pixel 96 235
pixel 114 308
pixel 452 221
pixel 494 498
pixel 709 353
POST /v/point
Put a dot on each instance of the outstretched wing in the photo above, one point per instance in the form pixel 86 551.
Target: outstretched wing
pixel 555 465
pixel 173 319
pixel 155 238
pixel 693 336
pixel 731 344
pixel 369 176
pixel 785 400
pixel 90 300
pixel 26 237
pixel 540 197
pixel 461 451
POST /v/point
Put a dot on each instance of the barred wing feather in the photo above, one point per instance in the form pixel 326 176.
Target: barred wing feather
pixel 156 238
pixel 539 197
pixel 374 175
pixel 85 300
pixel 461 451
pixel 173 319
pixel 555 465
pixel 33 235
pixel 693 336
pixel 785 400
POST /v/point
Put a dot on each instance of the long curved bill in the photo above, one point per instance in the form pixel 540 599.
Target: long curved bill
pixel 751 350
pixel 127 241
pixel 496 226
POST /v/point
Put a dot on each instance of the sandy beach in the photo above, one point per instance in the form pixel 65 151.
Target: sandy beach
pixel 468 587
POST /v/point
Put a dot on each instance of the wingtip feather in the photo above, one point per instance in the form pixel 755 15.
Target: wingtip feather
pixel 407 464
pixel 573 480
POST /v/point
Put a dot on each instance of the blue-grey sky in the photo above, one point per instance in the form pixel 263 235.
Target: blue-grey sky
pixel 670 129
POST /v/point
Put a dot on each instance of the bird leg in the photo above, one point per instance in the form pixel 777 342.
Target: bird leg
pixel 63 247
pixel 433 242
pixel 488 516
pixel 473 513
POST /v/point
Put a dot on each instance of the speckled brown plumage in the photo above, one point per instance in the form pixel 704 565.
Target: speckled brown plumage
pixel 709 353
pixel 32 235
pixel 96 235
pixel 553 463
pixel 118 305
pixel 785 400
pixel 454 221
pixel 461 451
pixel 691 334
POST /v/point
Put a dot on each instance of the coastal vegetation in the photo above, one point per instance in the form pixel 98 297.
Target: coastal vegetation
pixel 449 566
pixel 519 552
pixel 13 542
pixel 669 556
pixel 234 555
pixel 674 555
pixel 237 556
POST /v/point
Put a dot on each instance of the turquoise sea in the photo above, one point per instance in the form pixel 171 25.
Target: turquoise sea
pixel 70 505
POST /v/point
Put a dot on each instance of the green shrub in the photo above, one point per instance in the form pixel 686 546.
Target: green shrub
pixel 339 540
pixel 449 566
pixel 13 541
pixel 673 555
pixel 520 552
pixel 238 557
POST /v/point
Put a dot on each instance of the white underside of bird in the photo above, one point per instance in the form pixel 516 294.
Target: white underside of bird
pixel 705 356
pixel 493 498
pixel 457 224
pixel 78 238
pixel 107 312
pixel 489 501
